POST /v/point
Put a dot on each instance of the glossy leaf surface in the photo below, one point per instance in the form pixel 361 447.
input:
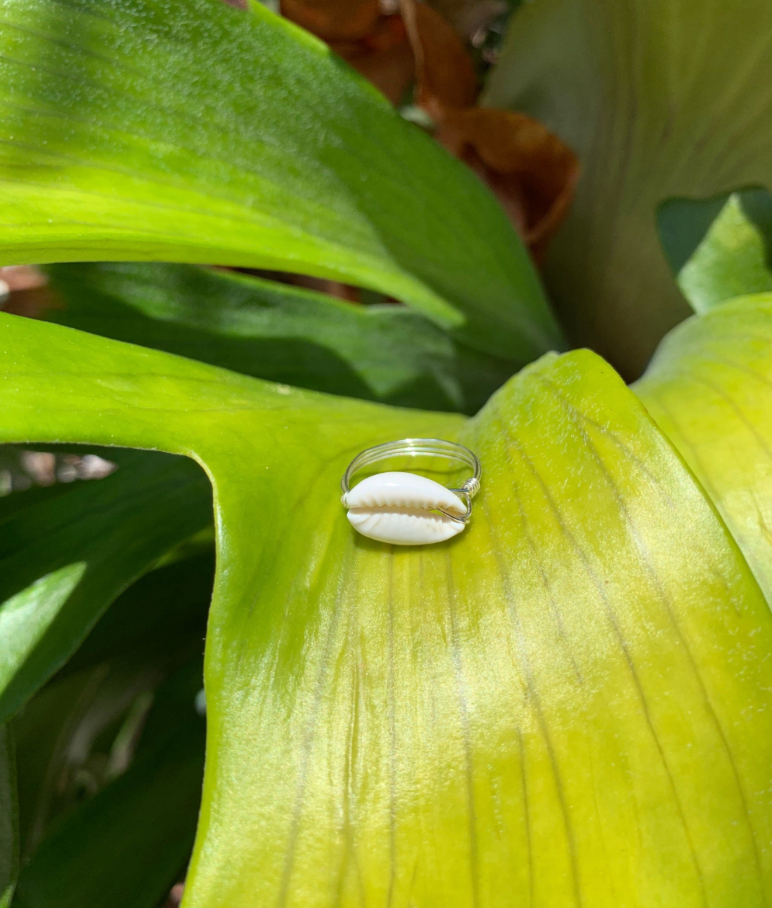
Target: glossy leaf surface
pixel 65 557
pixel 127 846
pixel 710 389
pixel 574 687
pixel 143 129
pixel 659 99
pixel 278 332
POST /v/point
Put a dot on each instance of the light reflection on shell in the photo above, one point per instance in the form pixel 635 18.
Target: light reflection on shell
pixel 402 509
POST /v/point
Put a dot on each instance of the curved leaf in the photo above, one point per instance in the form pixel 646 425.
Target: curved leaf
pixel 570 701
pixel 731 254
pixel 66 557
pixel 709 388
pixel 124 847
pixel 139 129
pixel 278 332
pixel 659 99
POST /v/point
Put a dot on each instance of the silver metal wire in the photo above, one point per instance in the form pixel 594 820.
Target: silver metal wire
pixel 422 447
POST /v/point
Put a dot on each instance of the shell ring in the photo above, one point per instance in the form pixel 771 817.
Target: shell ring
pixel 406 508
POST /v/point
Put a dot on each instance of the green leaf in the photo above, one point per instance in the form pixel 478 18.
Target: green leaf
pixel 125 847
pixel 720 248
pixel 636 89
pixel 572 700
pixel 138 129
pixel 9 825
pixel 709 388
pixel 67 740
pixel 67 556
pixel 278 332
pixel 164 610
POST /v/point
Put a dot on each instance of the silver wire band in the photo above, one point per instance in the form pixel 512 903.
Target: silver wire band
pixel 421 447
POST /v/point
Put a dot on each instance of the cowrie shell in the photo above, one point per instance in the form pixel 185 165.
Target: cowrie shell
pixel 399 508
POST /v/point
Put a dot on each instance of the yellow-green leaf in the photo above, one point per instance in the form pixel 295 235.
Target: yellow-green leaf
pixel 710 390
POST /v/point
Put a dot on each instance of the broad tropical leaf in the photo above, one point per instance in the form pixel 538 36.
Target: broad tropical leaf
pixel 9 826
pixel 126 846
pixel 575 686
pixel 710 389
pixel 65 557
pixel 285 334
pixel 138 129
pixel 659 99
pixel 67 740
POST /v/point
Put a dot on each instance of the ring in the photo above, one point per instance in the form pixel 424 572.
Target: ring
pixel 405 508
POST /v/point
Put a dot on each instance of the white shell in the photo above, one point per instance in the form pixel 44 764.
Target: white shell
pixel 397 508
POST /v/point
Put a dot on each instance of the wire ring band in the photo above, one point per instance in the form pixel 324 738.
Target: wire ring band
pixel 407 508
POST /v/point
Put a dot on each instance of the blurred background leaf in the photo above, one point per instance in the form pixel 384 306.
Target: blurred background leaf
pixel 9 827
pixel 68 551
pixel 660 99
pixel 279 332
pixel 719 248
pixel 126 846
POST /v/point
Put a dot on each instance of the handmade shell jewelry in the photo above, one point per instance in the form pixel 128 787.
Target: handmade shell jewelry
pixel 405 508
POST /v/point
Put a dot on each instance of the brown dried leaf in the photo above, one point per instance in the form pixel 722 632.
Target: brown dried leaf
pixel 384 57
pixel 445 76
pixel 334 20
pixel 530 170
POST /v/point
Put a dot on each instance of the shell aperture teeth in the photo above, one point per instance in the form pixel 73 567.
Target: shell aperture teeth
pixel 405 509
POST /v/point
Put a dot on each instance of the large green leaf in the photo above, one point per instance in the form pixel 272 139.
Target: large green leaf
pixel 570 702
pixel 660 99
pixel 139 129
pixel 282 333
pixel 65 557
pixel 125 847
pixel 9 827
pixel 709 388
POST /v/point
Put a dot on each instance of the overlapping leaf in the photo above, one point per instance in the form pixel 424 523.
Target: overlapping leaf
pixel 710 389
pixel 659 99
pixel 719 248
pixel 278 332
pixel 127 845
pixel 68 554
pixel 574 687
pixel 139 129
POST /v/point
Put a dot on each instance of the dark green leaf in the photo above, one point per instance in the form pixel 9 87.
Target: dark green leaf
pixel 66 735
pixel 126 846
pixel 164 610
pixel 9 826
pixel 278 332
pixel 194 132
pixel 572 699
pixel 63 560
